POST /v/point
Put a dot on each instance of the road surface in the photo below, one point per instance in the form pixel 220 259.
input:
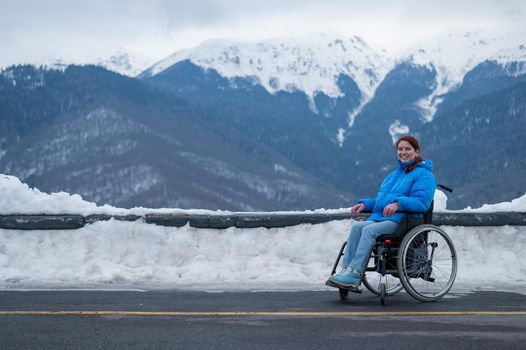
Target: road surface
pixel 258 320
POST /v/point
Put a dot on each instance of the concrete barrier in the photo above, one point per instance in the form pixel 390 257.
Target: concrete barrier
pixel 244 220
pixel 41 222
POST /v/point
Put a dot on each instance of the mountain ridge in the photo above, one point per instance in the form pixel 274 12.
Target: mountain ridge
pixel 113 139
pixel 286 150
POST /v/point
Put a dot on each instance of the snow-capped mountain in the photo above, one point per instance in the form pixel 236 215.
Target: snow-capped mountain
pixel 126 62
pixel 311 65
pixel 260 88
pixel 121 61
pixel 331 107
pixel 452 56
pixel 114 139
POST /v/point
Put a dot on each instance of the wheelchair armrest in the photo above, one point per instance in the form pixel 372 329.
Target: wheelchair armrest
pixel 411 212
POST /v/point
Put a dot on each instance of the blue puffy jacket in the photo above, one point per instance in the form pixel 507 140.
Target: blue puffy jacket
pixel 414 191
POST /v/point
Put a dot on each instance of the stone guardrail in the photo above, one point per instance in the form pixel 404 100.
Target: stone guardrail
pixel 244 220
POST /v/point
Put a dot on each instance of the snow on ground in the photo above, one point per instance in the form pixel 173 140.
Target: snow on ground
pixel 517 204
pixel 115 254
pixel 19 198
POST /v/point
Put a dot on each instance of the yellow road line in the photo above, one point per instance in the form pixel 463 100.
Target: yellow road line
pixel 263 313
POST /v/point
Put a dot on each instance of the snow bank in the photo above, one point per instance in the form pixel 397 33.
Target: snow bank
pixel 115 254
pixel 147 256
pixel 118 254
pixel 517 204
pixel 18 198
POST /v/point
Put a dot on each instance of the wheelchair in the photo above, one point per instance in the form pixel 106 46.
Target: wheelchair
pixel 418 257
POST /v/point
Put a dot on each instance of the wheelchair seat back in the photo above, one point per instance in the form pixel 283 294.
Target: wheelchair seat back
pixel 408 223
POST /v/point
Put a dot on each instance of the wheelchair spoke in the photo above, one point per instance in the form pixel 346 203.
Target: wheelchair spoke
pixel 428 263
pixel 372 279
pixel 441 275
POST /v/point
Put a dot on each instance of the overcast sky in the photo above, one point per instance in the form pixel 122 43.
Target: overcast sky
pixel 32 29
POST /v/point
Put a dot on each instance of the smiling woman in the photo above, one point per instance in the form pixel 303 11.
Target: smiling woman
pixel 408 151
pixel 409 188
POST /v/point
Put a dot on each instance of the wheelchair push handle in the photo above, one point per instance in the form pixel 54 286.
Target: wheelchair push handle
pixel 444 187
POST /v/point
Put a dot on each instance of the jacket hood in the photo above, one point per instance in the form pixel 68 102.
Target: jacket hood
pixel 426 164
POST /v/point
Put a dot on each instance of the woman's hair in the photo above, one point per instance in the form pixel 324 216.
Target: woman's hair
pixel 414 143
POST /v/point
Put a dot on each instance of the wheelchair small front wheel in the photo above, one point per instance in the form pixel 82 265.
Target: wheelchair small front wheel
pixel 383 293
pixel 372 280
pixel 427 263
pixel 344 294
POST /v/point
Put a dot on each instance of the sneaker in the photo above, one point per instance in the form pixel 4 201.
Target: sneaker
pixel 342 270
pixel 340 273
pixel 347 278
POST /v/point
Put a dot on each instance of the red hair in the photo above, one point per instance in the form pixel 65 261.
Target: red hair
pixel 414 143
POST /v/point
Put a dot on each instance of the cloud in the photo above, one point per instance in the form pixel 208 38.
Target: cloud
pixel 209 12
pixel 32 28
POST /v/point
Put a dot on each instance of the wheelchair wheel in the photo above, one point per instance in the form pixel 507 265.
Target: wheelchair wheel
pixel 373 279
pixel 343 294
pixel 427 263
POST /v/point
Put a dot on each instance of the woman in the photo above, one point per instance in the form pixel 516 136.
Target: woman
pixel 410 187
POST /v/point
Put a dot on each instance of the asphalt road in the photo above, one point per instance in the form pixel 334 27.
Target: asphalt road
pixel 258 320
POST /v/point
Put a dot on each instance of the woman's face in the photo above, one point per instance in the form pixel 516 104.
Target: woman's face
pixel 406 152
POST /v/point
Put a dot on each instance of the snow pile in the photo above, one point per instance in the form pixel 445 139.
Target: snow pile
pixel 148 256
pixel 118 254
pixel 19 198
pixel 490 258
pixel 310 65
pixel 517 204
pixel 440 201
pixel 115 254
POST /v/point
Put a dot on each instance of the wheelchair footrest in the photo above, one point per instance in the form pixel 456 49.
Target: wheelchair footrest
pixel 348 288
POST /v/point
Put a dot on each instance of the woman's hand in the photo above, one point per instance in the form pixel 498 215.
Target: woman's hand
pixel 357 208
pixel 390 209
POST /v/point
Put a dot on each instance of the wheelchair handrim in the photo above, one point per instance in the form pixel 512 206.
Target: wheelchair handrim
pixel 413 270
